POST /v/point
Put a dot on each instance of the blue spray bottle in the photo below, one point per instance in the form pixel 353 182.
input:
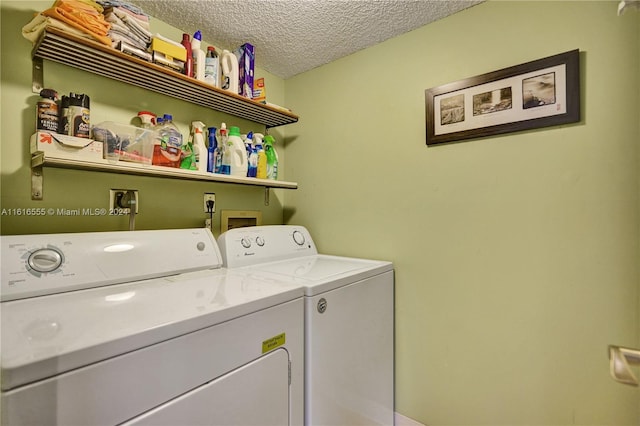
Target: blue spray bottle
pixel 211 150
pixel 252 156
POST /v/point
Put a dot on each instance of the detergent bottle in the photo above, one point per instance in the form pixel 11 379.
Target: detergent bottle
pixel 169 151
pixel 272 157
pixel 261 172
pixel 230 72
pixel 238 153
pixel 198 56
pixel 212 67
pixel 225 167
pixel 199 147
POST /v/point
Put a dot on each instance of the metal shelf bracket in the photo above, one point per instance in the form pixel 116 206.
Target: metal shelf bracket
pixel 37 75
pixel 37 177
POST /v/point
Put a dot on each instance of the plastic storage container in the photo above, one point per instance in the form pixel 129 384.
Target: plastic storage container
pixel 124 142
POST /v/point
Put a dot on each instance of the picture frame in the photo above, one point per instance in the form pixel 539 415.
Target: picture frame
pixel 540 93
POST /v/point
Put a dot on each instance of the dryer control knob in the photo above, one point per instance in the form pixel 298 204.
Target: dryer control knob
pixel 246 243
pixel 298 237
pixel 260 241
pixel 45 260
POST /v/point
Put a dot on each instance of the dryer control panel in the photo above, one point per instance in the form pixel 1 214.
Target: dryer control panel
pixel 258 244
pixel 35 265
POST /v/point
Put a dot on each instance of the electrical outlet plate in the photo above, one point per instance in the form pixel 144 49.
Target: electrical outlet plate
pixel 209 196
pixel 113 193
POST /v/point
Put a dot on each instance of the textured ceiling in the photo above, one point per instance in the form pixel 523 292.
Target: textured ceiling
pixel 294 36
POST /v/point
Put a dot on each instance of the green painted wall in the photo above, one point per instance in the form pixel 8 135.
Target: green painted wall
pixel 164 203
pixel 516 256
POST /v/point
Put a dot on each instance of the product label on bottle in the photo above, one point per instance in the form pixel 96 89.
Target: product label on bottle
pixel 79 122
pixel 47 116
pixel 211 71
pixel 169 150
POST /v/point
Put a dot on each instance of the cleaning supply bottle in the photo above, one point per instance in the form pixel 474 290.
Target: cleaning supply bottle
pixel 187 155
pixel 252 159
pixel 230 72
pixel 199 146
pixel 212 67
pixel 170 148
pixel 261 172
pixel 272 157
pixel 238 154
pixel 188 63
pixel 198 56
pixel 248 143
pixel 212 150
pixel 225 167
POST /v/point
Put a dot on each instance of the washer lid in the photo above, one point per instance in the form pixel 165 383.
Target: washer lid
pixel 321 273
pixel 47 335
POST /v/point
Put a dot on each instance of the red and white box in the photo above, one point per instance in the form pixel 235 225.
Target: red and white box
pixel 67 147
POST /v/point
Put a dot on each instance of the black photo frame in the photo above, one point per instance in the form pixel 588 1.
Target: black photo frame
pixel 540 93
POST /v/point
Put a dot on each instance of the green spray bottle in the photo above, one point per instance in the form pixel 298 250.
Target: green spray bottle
pixel 272 157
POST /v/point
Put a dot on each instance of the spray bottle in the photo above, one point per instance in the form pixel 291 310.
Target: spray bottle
pixel 211 150
pixel 197 127
pixel 188 154
pixel 272 157
pixel 262 156
pixel 252 157
pixel 225 167
pixel 198 56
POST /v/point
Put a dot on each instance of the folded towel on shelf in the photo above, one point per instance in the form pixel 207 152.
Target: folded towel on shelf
pixel 117 36
pixel 83 16
pixel 37 25
pixel 134 26
pixel 135 10
pixel 142 19
pixel 126 30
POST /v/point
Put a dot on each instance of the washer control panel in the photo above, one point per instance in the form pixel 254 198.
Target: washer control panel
pixel 35 265
pixel 258 244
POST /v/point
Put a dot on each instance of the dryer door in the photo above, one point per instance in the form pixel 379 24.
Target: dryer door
pixel 254 394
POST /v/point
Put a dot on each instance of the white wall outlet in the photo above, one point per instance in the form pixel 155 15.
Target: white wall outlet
pixel 116 194
pixel 209 196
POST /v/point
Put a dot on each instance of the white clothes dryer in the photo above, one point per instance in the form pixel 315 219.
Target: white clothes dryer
pixel 349 321
pixel 145 327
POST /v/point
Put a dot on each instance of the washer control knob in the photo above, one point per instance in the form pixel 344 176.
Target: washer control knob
pixel 45 260
pixel 246 243
pixel 298 237
pixel 260 241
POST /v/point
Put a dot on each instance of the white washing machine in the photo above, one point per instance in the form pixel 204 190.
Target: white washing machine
pixel 145 328
pixel 349 321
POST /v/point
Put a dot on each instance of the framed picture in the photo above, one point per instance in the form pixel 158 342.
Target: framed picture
pixel 541 93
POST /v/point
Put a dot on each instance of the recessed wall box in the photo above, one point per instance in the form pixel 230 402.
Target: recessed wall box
pixel 230 219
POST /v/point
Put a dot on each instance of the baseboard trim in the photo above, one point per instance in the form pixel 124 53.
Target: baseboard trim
pixel 401 420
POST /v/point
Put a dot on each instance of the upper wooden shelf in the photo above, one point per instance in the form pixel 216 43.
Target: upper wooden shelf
pixel 87 55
